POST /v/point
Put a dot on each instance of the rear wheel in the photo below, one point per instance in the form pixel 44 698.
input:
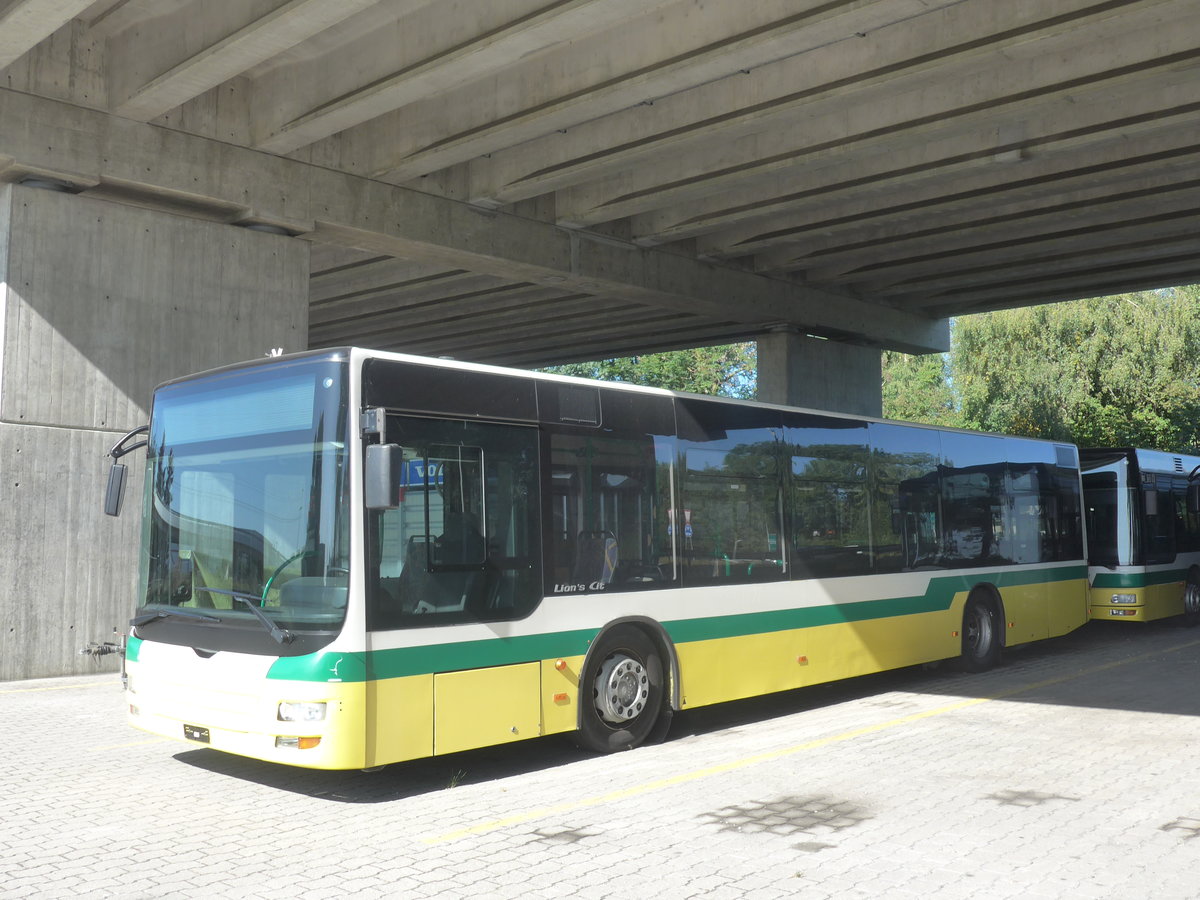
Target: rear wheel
pixel 980 634
pixel 1191 600
pixel 622 693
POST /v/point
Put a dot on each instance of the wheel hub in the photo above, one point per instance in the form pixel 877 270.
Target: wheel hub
pixel 622 689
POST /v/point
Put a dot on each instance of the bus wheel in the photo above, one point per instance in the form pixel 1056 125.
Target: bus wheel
pixel 621 692
pixel 980 634
pixel 1191 601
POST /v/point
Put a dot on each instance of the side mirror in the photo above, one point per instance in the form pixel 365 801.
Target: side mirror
pixel 381 477
pixel 116 475
pixel 116 489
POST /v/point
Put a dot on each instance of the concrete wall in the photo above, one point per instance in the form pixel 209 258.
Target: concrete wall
pixel 804 371
pixel 100 302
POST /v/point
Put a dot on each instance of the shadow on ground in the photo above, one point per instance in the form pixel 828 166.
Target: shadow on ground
pixel 1147 668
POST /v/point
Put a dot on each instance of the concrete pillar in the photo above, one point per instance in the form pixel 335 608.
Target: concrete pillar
pixel 100 302
pixel 798 370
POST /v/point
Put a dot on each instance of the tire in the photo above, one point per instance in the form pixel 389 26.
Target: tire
pixel 622 693
pixel 1191 600
pixel 980 634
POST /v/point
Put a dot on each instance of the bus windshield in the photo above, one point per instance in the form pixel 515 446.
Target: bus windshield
pixel 245 510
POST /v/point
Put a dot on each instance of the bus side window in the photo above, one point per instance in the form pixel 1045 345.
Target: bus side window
pixel 462 543
pixel 606 498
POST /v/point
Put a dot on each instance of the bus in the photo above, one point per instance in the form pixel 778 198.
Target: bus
pixel 1143 534
pixel 352 558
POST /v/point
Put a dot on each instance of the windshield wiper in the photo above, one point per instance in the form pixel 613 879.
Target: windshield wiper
pixel 281 635
pixel 144 618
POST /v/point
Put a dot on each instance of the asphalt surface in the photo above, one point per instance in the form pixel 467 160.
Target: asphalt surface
pixel 1072 771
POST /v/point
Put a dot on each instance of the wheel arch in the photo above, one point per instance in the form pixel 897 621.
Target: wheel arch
pixel 662 641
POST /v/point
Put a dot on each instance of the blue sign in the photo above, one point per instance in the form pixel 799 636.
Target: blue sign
pixel 414 473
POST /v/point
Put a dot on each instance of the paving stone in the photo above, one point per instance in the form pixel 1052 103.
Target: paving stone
pixel 1075 777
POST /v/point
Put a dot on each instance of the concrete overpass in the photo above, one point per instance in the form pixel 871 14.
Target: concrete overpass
pixel 531 182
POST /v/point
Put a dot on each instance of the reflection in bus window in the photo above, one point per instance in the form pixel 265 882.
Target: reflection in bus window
pixel 732 526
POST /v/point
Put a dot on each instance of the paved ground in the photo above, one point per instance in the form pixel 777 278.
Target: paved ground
pixel 1071 772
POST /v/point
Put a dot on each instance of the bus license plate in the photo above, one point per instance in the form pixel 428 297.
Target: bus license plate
pixel 195 733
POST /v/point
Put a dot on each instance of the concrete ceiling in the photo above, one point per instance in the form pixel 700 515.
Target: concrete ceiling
pixel 530 182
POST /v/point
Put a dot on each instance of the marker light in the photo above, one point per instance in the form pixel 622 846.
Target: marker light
pixel 297 743
pixel 1124 598
pixel 302 711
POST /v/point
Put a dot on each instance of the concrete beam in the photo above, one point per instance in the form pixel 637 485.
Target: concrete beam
pixel 155 68
pixel 1023 251
pixel 356 212
pixel 1083 218
pixel 888 114
pixel 949 169
pixel 588 340
pixel 459 319
pixel 519 33
pixel 26 23
pixel 1096 282
pixel 646 59
pixel 961 286
pixel 898 46
pixel 1114 283
pixel 1036 210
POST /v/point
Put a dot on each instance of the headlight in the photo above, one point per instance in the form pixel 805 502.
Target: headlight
pixel 302 711
pixel 1124 598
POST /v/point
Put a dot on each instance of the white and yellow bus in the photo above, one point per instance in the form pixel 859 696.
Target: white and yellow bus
pixel 1143 534
pixel 352 558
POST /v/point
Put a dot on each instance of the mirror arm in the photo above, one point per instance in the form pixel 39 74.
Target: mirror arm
pixel 119 449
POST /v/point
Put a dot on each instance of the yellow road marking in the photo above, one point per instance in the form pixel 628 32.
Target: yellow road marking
pixel 745 762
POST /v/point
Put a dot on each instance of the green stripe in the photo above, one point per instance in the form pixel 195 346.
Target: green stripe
pixel 379 664
pixel 937 597
pixel 1138 579
pixel 133 646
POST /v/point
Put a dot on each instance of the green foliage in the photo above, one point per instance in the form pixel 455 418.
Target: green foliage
pixel 1113 371
pixel 727 371
pixel 917 389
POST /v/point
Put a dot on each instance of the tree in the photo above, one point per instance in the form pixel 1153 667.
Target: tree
pixel 1113 371
pixel 728 370
pixel 917 388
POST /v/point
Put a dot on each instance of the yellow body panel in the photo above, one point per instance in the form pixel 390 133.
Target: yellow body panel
pixel 1025 612
pixel 400 724
pixel 482 707
pixel 732 668
pixel 1156 601
pixel 1067 606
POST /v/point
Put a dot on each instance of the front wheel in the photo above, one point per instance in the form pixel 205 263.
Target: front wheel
pixel 980 634
pixel 622 693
